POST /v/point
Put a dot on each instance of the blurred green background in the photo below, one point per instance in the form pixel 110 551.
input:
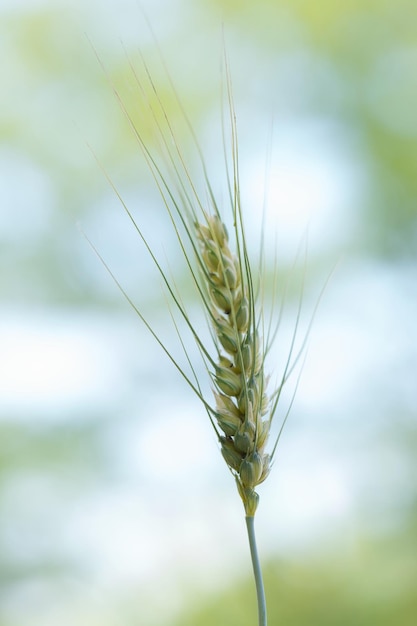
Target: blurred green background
pixel 115 506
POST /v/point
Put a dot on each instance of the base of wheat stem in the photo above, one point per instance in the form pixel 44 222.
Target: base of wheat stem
pixel 260 592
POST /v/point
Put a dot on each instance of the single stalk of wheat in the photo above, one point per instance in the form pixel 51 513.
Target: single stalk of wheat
pixel 243 409
pixel 239 381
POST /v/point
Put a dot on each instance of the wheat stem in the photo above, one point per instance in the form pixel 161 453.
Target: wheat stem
pixel 260 592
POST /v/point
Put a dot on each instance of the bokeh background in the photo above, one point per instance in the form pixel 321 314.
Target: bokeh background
pixel 115 505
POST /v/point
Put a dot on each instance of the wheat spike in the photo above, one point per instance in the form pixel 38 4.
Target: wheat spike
pixel 239 381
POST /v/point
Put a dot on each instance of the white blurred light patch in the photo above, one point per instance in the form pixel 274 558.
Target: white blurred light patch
pixel 52 364
pixel 313 184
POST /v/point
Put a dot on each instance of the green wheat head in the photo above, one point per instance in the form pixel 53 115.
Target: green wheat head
pixel 238 376
pixel 242 408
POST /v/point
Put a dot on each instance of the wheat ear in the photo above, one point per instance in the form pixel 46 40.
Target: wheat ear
pixel 239 381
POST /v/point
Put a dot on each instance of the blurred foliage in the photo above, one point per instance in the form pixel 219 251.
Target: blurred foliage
pixel 371 46
pixel 374 586
pixel 34 458
pixel 27 448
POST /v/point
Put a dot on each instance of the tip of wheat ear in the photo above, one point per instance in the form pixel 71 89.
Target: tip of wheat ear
pixel 240 386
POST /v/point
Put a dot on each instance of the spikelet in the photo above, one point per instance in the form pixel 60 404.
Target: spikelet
pixel 239 381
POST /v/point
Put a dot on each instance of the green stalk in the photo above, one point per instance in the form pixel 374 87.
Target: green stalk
pixel 260 592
